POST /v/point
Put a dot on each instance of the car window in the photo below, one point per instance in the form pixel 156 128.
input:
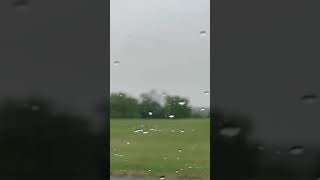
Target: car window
pixel 160 89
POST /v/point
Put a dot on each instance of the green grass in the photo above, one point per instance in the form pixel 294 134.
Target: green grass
pixel 134 153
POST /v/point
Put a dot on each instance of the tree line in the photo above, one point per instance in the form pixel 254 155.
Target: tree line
pixel 152 105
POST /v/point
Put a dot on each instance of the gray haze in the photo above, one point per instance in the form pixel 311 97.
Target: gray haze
pixel 159 46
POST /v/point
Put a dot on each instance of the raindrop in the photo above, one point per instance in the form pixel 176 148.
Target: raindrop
pixel 202 109
pixel 164 94
pixel 180 150
pixel 177 171
pixel 35 107
pixel 261 148
pixel 164 157
pixel 162 177
pixel 138 130
pixel 152 129
pixel 182 131
pixel 20 5
pixel 173 131
pixel 182 103
pixel 190 167
pixel 277 152
pixel 309 98
pixel 206 92
pixel 116 63
pixel 120 95
pixel 150 113
pixel 296 150
pixel 120 155
pixel 230 131
pixel 177 158
pixel 128 143
pixel 145 132
pixel 203 33
pixel 149 170
pixel 171 116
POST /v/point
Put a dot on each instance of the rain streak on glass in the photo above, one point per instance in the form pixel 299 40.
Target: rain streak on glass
pixel 230 131
pixel 309 98
pixel 203 33
pixel 35 107
pixel 261 148
pixel 116 63
pixel 296 150
pixel 182 103
pixel 20 5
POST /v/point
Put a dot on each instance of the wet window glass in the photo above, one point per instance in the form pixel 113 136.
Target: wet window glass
pixel 160 89
pixel 53 75
pixel 266 88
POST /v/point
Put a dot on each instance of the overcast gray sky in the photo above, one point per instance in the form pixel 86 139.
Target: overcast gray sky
pixel 158 45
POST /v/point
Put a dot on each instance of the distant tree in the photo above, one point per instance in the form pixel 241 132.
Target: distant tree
pixel 123 106
pixel 177 106
pixel 150 106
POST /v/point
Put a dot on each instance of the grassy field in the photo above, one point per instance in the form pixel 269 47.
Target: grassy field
pixel 154 148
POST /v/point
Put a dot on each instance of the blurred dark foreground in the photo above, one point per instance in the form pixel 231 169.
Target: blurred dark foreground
pixel 37 142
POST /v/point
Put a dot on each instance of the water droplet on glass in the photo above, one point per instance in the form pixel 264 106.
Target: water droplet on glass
pixel 164 157
pixel 206 92
pixel 177 158
pixel 171 116
pixel 162 177
pixel 120 95
pixel 261 148
pixel 150 113
pixel 277 152
pixel 177 171
pixel 149 170
pixel 20 5
pixel 145 132
pixel 180 150
pixel 35 108
pixel 164 94
pixel 128 143
pixel 182 131
pixel 120 155
pixel 203 33
pixel 202 109
pixel 190 167
pixel 182 103
pixel 230 131
pixel 116 63
pixel 138 130
pixel 309 98
pixel 296 150
pixel 173 131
